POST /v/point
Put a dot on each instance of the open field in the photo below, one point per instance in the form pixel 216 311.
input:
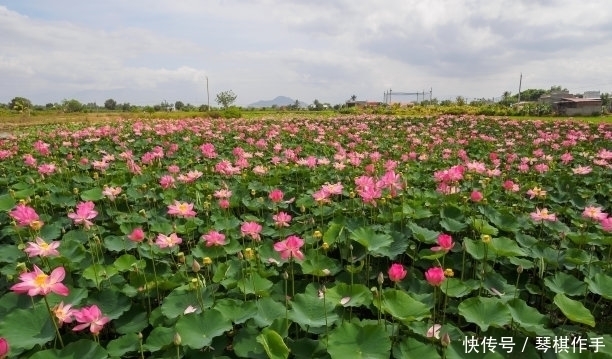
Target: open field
pixel 13 120
pixel 306 236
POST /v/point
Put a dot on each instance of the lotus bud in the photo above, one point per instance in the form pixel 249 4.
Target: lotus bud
pixel 446 340
pixel 177 339
pixel 285 275
pixel 381 278
pixel 21 267
pixel 519 269
pixel 195 266
pixel 181 257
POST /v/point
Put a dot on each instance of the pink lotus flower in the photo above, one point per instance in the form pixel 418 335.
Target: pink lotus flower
pixel 4 348
pixel 594 213
pixel 445 243
pixel 281 219
pixel 214 238
pixel 63 313
pixel 111 192
pixel 37 282
pixel 181 209
pixel 543 215
pixel 29 160
pixel 208 150
pixel 276 195
pixel 42 248
pixel 536 192
pixel 223 193
pixel 321 196
pixel 85 211
pixel 166 181
pixel 606 224
pixel 26 217
pixel 332 189
pixel 137 235
pixel 582 170
pixel 224 203
pixel 90 317
pixel 290 248
pixel 509 185
pixel 434 331
pixel 369 194
pixel 170 241
pixel 251 229
pixel 476 196
pixel 435 276
pixel 397 272
pixel 566 158
pixel 46 168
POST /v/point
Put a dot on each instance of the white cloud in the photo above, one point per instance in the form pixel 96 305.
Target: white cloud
pixel 149 50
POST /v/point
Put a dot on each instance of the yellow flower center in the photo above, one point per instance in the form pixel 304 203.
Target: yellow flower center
pixel 40 279
pixel 35 225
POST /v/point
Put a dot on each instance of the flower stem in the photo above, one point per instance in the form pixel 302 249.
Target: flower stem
pixel 54 322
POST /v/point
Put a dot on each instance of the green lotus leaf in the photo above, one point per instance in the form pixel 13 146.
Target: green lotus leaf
pixel 485 312
pixel 350 341
pixel 574 310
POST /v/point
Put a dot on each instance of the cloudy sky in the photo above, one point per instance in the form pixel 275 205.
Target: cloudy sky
pixel 148 51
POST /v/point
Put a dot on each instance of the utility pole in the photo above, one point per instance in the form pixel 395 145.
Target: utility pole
pixel 207 96
pixel 520 83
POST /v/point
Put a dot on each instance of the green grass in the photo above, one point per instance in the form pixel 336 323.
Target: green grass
pixel 10 120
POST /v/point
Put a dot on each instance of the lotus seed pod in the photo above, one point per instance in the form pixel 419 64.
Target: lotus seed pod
pixel 485 238
pixel 207 261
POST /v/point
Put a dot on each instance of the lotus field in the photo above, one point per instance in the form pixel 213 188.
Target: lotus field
pixel 349 237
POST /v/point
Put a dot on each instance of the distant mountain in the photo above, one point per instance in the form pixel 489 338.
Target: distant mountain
pixel 278 101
